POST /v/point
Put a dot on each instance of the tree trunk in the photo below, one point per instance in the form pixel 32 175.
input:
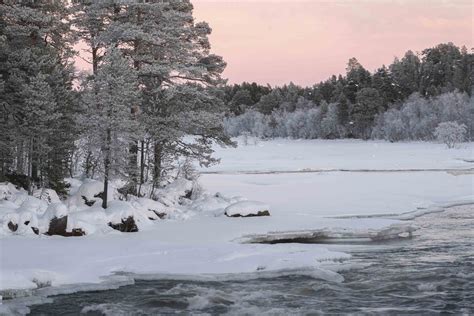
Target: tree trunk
pixel 142 166
pixel 95 60
pixel 147 158
pixel 106 170
pixel 88 165
pixel 133 174
pixel 32 167
pixel 20 159
pixel 158 155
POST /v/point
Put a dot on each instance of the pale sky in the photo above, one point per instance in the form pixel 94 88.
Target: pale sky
pixel 306 41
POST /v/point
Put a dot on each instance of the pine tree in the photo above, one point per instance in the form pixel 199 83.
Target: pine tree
pixel 368 103
pixel 110 126
pixel 37 78
pixel 438 69
pixel 382 80
pixel 406 74
pixel 463 78
pixel 357 78
pixel 171 55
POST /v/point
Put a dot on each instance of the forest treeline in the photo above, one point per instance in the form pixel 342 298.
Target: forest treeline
pixel 405 100
pixel 153 82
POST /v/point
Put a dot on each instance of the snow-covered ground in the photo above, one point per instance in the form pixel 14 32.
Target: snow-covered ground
pixel 198 239
pixel 300 155
pixel 342 194
pixel 344 177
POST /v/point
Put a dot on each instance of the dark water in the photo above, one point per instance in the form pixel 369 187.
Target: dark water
pixel 433 273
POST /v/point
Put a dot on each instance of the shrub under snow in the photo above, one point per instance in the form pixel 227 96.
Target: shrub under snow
pixel 415 119
pixel 451 133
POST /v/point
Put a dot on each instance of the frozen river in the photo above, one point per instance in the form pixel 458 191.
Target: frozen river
pixel 432 273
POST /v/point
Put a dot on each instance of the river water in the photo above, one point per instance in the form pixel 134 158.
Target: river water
pixel 431 273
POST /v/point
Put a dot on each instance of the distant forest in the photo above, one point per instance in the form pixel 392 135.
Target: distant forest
pixel 405 100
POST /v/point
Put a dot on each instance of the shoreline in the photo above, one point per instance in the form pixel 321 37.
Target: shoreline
pixel 326 271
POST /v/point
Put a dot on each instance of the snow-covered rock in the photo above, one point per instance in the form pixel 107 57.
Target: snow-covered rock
pixel 7 190
pixel 89 193
pixel 214 205
pixel 174 192
pixel 47 195
pixel 155 210
pixel 247 209
pixel 59 227
pixel 20 222
pixel 32 204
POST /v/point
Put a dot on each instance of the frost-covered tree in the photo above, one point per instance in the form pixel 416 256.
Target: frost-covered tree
pixel 330 128
pixel 92 19
pixel 108 121
pixel 451 133
pixel 171 54
pixel 37 100
pixel 418 117
pixel 184 120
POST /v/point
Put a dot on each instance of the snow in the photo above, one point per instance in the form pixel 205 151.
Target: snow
pixel 344 194
pixel 301 155
pixel 344 177
pixel 196 239
pixel 204 242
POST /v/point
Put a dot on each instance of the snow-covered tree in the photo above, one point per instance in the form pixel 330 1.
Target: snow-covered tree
pixel 37 99
pixel 418 117
pixel 451 133
pixel 109 124
pixel 330 128
pixel 171 54
pixel 92 20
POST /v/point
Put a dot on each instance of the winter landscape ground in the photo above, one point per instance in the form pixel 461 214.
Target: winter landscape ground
pixel 139 175
pixel 331 190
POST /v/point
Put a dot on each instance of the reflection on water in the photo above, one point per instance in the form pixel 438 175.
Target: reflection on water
pixel 433 273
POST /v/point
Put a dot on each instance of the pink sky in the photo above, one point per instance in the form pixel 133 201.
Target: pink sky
pixel 278 41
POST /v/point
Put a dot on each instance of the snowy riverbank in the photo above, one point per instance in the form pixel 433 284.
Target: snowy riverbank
pixel 196 239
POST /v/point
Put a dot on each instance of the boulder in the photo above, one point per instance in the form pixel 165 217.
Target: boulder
pixel 87 201
pixel 161 215
pixel 247 209
pixel 127 225
pixel 58 226
pixel 13 227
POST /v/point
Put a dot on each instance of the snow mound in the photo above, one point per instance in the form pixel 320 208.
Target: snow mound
pixel 154 210
pixel 174 192
pixel 7 190
pixel 90 193
pixel 214 205
pixel 47 195
pixel 247 209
